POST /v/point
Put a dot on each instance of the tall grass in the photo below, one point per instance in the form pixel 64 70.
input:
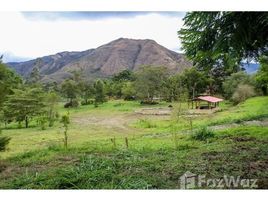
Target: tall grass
pixel 203 134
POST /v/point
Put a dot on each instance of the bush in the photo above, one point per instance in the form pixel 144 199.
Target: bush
pixel 3 142
pixel 233 81
pixel 203 134
pixel 242 93
pixel 89 102
pixel 71 104
pixel 42 121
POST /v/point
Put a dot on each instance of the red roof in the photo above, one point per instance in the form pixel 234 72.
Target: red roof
pixel 210 99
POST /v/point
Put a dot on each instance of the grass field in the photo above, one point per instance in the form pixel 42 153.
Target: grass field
pixel 159 148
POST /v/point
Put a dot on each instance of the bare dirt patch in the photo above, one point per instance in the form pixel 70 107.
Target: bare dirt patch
pixel 116 122
pixel 154 111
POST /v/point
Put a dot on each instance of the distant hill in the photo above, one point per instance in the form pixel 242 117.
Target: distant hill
pixel 105 60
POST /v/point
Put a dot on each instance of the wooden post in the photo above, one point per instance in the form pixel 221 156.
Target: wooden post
pixel 113 141
pixel 126 141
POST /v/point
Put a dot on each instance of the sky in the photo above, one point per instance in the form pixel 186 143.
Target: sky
pixel 27 35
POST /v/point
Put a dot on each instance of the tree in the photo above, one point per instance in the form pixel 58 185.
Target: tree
pixel 231 83
pixel 108 88
pixel 149 80
pixel 99 93
pixel 125 75
pixel 116 88
pixel 51 101
pixel 70 90
pixel 87 92
pixel 224 38
pixel 24 104
pixel 128 91
pixel 8 80
pixel 174 88
pixel 35 76
pixel 194 81
pixel 262 75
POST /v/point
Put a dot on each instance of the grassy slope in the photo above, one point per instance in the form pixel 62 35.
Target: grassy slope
pixel 151 161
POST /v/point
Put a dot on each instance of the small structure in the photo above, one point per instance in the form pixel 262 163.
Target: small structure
pixel 212 102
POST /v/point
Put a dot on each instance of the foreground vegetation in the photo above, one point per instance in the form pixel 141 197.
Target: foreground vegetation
pixel 153 157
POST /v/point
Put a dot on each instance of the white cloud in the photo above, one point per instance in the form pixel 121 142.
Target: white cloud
pixel 34 38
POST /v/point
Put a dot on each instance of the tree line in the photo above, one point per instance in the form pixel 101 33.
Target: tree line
pixel 24 100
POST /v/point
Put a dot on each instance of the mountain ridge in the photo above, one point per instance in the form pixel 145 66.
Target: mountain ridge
pixel 104 61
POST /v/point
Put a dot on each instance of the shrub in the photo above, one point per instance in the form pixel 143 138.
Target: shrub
pixel 88 102
pixel 3 142
pixel 42 121
pixel 242 93
pixel 232 82
pixel 65 120
pixel 71 104
pixel 203 134
pixel 145 123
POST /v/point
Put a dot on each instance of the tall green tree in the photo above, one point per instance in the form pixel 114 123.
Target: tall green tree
pixel 114 87
pixel 128 91
pixel 35 76
pixel 99 93
pixel 174 88
pixel 51 101
pixel 194 81
pixel 224 38
pixel 8 80
pixel 70 90
pixel 87 91
pixel 24 104
pixel 149 81
pixel 125 75
pixel 262 75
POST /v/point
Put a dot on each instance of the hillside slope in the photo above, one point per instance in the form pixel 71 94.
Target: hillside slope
pixel 105 60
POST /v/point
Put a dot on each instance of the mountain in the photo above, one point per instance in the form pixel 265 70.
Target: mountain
pixel 105 60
